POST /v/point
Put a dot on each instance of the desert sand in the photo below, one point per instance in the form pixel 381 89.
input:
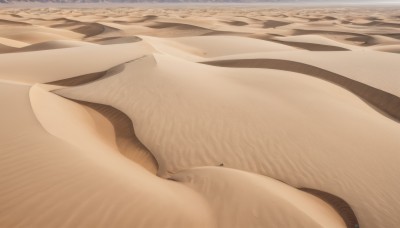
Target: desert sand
pixel 205 116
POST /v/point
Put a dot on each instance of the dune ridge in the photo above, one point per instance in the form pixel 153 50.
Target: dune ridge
pixel 383 101
pixel 312 46
pixel 127 142
pixel 79 80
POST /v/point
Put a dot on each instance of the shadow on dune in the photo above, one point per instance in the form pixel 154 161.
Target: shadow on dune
pixel 128 144
pixel 14 23
pixel 381 24
pixel 93 29
pixel 178 26
pixel 117 40
pixel 340 206
pixel 302 45
pixel 145 19
pixel 311 46
pixel 88 78
pixel 384 102
pixel 236 23
pixel 42 46
pixel 126 140
pixel 364 40
pixel 393 35
pixel 79 80
pixel 181 29
pixel 64 23
pixel 274 24
pixel 7 49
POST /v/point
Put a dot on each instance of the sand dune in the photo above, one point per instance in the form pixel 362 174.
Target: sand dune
pixel 285 200
pixel 95 161
pixel 198 48
pixel 94 29
pixel 118 40
pixel 12 43
pixel 236 23
pixel 385 102
pixel 389 48
pixel 180 29
pixel 53 45
pixel 206 116
pixel 33 34
pixel 192 138
pixel 365 65
pixel 350 37
pixel 35 37
pixel 316 40
pixel 79 80
pixel 44 46
pixel 65 23
pixel 126 140
pixel 36 63
pixel 305 45
pixel 274 24
pixel 340 206
pixel 98 179
pixel 6 49
pixel 13 23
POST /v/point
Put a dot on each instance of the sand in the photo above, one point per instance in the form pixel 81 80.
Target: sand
pixel 169 116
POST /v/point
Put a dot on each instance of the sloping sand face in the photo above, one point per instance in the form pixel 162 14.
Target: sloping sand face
pixel 199 117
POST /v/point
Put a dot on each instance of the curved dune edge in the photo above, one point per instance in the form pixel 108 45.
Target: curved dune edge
pixel 235 23
pixel 177 26
pixel 387 103
pixel 94 29
pixel 38 36
pixel 125 138
pixel 277 201
pixel 47 45
pixel 263 200
pixel 79 80
pixel 340 206
pixel 177 29
pixel 388 48
pixel 88 78
pixel 275 24
pixel 6 49
pixel 86 154
pixel 36 64
pixel 81 125
pixel 117 40
pixel 127 142
pixel 12 43
pixel 361 39
pixel 311 46
pixel 199 48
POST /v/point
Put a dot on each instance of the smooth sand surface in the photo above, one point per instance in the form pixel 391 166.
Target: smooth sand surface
pixel 156 116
